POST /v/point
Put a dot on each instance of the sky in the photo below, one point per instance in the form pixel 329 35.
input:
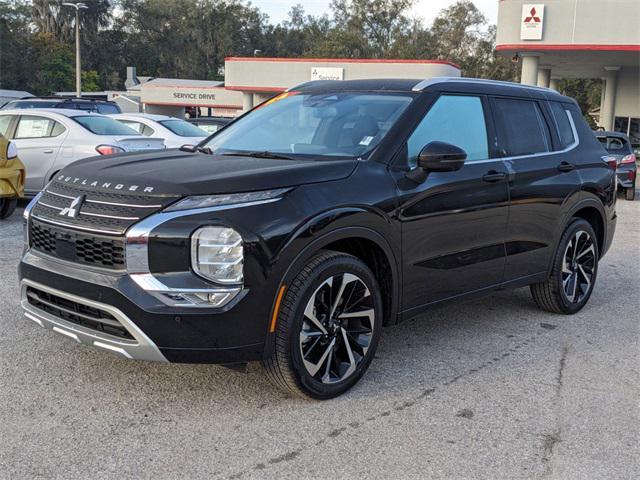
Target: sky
pixel 426 9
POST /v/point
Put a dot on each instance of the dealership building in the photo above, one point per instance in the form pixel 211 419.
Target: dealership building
pixel 250 81
pixel 579 39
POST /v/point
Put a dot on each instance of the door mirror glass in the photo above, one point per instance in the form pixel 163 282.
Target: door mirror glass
pixel 441 157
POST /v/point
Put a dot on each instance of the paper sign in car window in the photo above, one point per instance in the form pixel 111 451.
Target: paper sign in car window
pixel 32 128
pixel 366 140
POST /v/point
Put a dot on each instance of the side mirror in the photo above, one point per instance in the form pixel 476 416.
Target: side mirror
pixel 441 157
pixel 437 157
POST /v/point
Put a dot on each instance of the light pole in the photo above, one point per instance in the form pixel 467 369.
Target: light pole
pixel 77 6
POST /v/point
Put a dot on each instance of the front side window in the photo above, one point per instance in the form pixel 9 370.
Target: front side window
pixel 522 129
pixel 561 119
pixel 458 120
pixel 330 125
pixel 183 128
pixel 34 127
pixel 104 125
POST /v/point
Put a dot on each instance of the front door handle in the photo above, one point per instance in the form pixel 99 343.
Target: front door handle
pixel 48 151
pixel 566 166
pixel 493 176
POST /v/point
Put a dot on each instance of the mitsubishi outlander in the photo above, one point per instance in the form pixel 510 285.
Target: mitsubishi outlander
pixel 295 233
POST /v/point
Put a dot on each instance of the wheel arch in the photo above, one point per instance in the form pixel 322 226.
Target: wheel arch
pixel 368 245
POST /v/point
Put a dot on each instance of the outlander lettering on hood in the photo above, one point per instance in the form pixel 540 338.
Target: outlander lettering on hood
pixel 106 185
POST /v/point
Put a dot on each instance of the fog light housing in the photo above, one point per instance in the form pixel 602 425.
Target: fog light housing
pixel 217 254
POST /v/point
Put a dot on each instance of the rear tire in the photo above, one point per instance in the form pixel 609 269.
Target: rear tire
pixel 7 207
pixel 574 272
pixel 630 193
pixel 327 328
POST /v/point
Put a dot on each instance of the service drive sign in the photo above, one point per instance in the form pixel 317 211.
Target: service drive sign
pixel 327 73
pixel 532 21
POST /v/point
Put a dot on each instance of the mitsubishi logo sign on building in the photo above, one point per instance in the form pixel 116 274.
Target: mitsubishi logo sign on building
pixel 532 21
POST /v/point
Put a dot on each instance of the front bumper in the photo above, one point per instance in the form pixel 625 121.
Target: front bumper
pixel 159 332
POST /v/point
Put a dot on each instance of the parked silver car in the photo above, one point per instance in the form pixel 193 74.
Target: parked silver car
pixel 50 139
pixel 175 131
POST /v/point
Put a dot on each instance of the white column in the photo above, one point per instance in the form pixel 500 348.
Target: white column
pixel 544 77
pixel 602 90
pixel 247 101
pixel 554 83
pixel 529 74
pixel 611 88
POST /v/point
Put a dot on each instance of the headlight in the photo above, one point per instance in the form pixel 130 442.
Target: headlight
pixel 206 201
pixel 217 254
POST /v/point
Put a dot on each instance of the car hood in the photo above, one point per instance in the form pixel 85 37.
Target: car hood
pixel 174 172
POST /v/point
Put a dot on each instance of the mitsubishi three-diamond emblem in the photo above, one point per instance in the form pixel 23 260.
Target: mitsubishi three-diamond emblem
pixel 73 210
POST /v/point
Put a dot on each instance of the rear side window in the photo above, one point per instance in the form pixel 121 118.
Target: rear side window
pixel 138 127
pixel 458 120
pixel 104 125
pixel 34 127
pixel 561 119
pixel 522 129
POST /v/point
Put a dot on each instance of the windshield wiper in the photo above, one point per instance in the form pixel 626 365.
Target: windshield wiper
pixel 195 148
pixel 258 154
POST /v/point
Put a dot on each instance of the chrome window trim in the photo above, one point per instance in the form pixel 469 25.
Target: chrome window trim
pixel 141 348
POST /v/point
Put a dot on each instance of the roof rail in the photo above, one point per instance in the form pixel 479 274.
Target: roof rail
pixel 427 82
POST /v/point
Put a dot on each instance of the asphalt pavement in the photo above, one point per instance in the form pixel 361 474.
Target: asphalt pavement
pixel 488 389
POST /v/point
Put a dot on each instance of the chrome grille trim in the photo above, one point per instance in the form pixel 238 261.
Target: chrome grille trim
pixel 75 227
pixel 101 202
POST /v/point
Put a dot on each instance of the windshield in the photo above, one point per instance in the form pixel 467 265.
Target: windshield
pixel 104 125
pixel 345 124
pixel 183 128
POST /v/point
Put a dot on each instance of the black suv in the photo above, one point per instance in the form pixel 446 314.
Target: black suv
pixel 87 104
pixel 297 232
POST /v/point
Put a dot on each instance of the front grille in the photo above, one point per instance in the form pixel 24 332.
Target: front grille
pixel 95 250
pixel 106 212
pixel 77 313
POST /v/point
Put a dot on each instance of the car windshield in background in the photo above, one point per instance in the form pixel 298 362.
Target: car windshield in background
pixel 30 104
pixel 103 125
pixel 183 128
pixel 345 124
pixel 615 145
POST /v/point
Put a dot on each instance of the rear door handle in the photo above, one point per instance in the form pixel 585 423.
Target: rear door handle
pixel 566 166
pixel 48 151
pixel 493 176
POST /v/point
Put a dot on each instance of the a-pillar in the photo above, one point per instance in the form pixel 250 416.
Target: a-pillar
pixel 544 77
pixel 529 73
pixel 247 101
pixel 609 104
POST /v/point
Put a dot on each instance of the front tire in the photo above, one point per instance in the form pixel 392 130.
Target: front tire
pixel 7 207
pixel 327 328
pixel 575 267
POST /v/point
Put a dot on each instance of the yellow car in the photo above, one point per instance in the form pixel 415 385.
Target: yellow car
pixel 11 178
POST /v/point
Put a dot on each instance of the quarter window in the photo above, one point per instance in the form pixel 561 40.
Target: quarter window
pixel 561 118
pixel 522 129
pixel 458 120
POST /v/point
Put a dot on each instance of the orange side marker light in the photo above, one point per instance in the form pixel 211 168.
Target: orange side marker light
pixel 276 309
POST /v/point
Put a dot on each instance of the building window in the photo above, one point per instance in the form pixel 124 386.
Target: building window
pixel 629 126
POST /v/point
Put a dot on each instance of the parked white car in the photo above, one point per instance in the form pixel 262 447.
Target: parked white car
pixel 51 139
pixel 174 131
